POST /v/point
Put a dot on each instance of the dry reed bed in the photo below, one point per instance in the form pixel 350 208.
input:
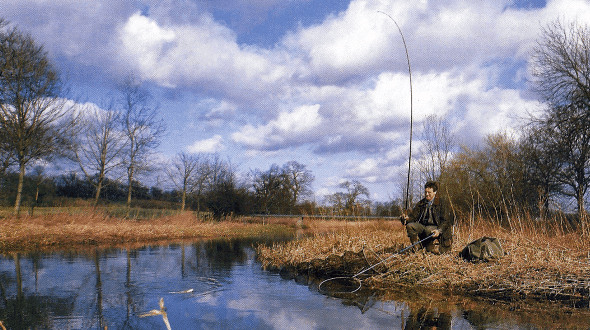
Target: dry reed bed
pixel 53 231
pixel 537 266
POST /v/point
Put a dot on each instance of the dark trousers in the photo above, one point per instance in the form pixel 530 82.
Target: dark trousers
pixel 416 229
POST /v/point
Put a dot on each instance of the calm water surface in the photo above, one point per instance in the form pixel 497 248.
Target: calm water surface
pixel 204 285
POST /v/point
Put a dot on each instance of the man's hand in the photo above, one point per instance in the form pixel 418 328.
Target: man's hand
pixel 435 233
pixel 404 219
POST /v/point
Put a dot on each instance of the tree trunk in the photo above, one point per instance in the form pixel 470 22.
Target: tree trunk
pixel 582 211
pixel 581 207
pixel 101 173
pixel 19 190
pixel 97 195
pixel 129 189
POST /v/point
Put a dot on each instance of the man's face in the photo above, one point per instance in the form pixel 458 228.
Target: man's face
pixel 429 194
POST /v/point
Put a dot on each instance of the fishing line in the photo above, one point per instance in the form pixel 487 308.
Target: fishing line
pixel 411 110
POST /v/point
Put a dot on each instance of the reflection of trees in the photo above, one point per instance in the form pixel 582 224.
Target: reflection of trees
pixel 428 318
pixel 111 287
pixel 211 256
pixel 223 254
pixel 99 312
pixel 22 311
pixel 481 320
pixel 128 289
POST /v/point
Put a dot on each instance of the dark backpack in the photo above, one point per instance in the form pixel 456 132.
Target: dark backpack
pixel 483 249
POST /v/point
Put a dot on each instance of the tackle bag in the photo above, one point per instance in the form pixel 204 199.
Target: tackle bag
pixel 483 249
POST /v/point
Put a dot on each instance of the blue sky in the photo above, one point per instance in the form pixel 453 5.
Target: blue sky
pixel 324 83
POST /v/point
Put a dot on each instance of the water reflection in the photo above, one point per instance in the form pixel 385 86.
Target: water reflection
pixel 425 318
pixel 201 285
pixel 110 288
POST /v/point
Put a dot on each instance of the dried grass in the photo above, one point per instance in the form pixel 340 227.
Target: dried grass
pixel 344 236
pixel 540 264
pixel 51 231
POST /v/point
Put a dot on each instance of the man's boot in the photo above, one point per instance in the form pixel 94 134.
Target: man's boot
pixel 433 246
pixel 417 247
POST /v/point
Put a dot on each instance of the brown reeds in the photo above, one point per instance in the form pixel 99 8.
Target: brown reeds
pixel 67 230
pixel 540 263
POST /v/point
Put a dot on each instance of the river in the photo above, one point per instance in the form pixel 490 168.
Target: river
pixel 207 285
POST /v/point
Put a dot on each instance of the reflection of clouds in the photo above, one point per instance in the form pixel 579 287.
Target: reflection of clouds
pixel 209 299
pixel 288 305
pixel 277 315
pixel 209 317
pixel 286 320
pixel 246 304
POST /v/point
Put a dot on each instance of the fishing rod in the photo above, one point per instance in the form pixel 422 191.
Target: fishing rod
pixel 411 110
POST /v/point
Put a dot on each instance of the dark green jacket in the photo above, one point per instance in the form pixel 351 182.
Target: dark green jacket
pixel 442 218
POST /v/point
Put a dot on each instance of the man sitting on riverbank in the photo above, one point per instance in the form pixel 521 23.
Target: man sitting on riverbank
pixel 429 217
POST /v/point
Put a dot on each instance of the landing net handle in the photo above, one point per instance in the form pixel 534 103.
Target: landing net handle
pixel 351 284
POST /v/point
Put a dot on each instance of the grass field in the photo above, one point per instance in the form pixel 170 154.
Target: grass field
pixel 55 228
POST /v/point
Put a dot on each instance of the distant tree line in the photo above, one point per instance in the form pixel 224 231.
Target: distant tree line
pixel 201 184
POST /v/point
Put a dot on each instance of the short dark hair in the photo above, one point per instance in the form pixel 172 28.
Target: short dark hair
pixel 431 184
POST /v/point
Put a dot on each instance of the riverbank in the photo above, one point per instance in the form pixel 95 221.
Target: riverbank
pixel 540 264
pixel 91 229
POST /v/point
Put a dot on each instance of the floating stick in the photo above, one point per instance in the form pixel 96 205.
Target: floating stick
pixel 185 291
pixel 162 312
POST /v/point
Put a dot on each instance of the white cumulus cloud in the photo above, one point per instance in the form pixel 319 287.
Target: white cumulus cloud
pixel 299 124
pixel 211 145
pixel 203 54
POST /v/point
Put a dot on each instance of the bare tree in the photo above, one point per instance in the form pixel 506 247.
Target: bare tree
pixel 438 144
pixel 561 67
pixel 336 201
pixel 225 195
pixel 569 144
pixel 298 179
pixel 142 129
pixel 496 180
pixel 354 191
pixel 38 178
pixel 279 189
pixel 7 158
pixel 36 123
pixel 560 64
pixel 541 167
pixel 218 171
pixel 100 145
pixel 349 202
pixel 202 179
pixel 271 190
pixel 189 174
pixel 6 153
